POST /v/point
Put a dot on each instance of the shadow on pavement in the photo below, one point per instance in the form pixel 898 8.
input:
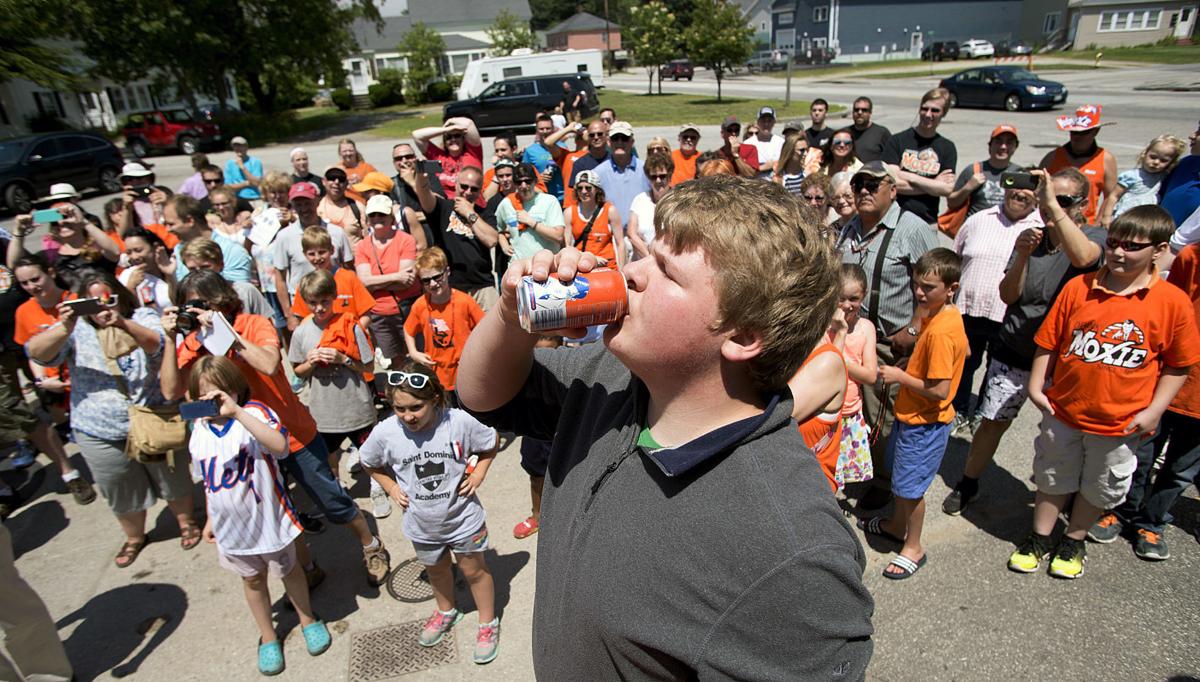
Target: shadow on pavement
pixel 36 525
pixel 1003 508
pixel 1186 513
pixel 133 619
pixel 504 568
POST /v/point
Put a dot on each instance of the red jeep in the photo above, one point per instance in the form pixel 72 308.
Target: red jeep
pixel 169 129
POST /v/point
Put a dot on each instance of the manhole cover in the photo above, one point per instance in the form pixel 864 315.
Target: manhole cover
pixel 393 650
pixel 408 582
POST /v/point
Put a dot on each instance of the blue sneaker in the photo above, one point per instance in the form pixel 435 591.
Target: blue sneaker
pixel 316 638
pixel 270 658
pixel 25 455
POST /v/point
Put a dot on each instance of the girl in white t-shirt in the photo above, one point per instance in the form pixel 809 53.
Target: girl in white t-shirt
pixel 250 517
pixel 431 459
pixel 150 273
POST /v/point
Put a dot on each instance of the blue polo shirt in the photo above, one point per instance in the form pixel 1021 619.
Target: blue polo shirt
pixel 233 175
pixel 238 264
pixel 621 185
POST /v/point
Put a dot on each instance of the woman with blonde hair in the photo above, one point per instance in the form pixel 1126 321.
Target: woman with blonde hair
pixel 356 167
pixel 657 145
pixel 789 169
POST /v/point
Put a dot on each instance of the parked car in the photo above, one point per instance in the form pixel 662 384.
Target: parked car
pixel 676 69
pixel 816 55
pixel 29 165
pixel 1017 49
pixel 514 103
pixel 976 48
pixel 768 61
pixel 169 129
pixel 1011 87
pixel 940 51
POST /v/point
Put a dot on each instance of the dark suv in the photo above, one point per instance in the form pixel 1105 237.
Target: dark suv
pixel 29 165
pixel 676 69
pixel 940 51
pixel 515 102
pixel 169 129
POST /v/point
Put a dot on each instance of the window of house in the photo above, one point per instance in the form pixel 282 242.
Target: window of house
pixel 116 97
pixel 458 63
pixel 787 18
pixel 1130 20
pixel 1050 23
pixel 820 43
pixel 820 14
pixel 785 40
pixel 47 104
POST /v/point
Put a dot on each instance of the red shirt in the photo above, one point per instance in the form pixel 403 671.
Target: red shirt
pixel 1185 274
pixel 472 156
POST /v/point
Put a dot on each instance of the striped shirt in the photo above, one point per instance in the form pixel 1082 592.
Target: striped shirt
pixel 911 239
pixel 985 244
pixel 792 181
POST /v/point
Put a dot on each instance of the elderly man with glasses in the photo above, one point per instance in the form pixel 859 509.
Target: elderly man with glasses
pixel 886 242
pixel 464 232
pixel 532 220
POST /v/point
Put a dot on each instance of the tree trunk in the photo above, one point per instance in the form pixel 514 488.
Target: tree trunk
pixel 263 100
pixel 718 74
pixel 650 82
pixel 659 69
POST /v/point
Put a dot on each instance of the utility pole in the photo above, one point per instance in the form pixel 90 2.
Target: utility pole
pixel 607 40
pixel 787 96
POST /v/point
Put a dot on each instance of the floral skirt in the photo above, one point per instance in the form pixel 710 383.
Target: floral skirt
pixel 854 459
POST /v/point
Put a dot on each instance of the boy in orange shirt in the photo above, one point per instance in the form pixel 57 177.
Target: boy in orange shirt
pixel 444 316
pixel 924 407
pixel 1118 344
pixel 352 296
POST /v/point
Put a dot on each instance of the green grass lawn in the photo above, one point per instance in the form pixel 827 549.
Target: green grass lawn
pixel 1156 54
pixel 674 109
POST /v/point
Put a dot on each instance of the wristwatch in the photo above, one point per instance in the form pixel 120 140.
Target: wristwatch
pixel 472 218
pixel 912 331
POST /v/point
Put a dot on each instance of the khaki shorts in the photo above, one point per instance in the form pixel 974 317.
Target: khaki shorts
pixel 1067 460
pixel 277 564
pixel 486 297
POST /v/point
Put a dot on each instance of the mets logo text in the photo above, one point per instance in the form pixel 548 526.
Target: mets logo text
pixel 1116 345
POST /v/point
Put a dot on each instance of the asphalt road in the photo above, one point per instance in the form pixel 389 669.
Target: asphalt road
pixel 962 617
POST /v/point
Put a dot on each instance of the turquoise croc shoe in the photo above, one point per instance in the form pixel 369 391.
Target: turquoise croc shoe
pixel 270 658
pixel 316 638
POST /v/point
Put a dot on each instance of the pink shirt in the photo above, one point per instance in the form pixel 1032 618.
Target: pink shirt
pixel 985 244
pixel 855 349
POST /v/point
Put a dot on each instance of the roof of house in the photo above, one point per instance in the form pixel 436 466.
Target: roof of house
pixel 370 38
pixel 457 41
pixel 581 21
pixel 434 12
pixel 749 7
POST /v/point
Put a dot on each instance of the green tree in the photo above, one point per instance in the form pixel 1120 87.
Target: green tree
pixel 508 33
pixel 23 54
pixel 190 45
pixel 423 47
pixel 719 37
pixel 650 33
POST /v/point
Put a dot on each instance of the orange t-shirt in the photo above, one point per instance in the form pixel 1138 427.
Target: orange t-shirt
pixel 823 434
pixel 1092 169
pixel 272 390
pixel 352 296
pixel 1109 349
pixel 939 354
pixel 600 239
pixel 1185 274
pixel 685 167
pixel 568 168
pixel 32 319
pixel 354 175
pixel 446 328
pixel 386 261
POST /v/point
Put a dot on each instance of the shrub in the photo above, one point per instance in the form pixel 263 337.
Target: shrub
pixel 439 91
pixel 46 123
pixel 389 90
pixel 342 99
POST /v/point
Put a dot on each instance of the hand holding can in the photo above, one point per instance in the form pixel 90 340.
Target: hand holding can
pixel 563 266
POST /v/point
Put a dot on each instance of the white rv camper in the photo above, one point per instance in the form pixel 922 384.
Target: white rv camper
pixel 524 62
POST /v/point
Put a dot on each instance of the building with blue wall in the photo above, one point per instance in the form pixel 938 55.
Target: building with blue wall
pixel 870 29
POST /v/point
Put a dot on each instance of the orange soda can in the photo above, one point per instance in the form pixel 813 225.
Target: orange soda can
pixel 592 298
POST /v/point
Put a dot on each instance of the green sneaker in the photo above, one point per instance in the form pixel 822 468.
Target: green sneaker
pixel 1069 558
pixel 1029 554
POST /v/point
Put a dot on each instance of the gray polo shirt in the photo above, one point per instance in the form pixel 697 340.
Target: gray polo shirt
pixel 911 238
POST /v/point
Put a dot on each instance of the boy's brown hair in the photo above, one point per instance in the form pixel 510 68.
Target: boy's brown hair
pixel 316 238
pixel 202 249
pixel 941 263
pixel 317 285
pixel 775 274
pixel 1148 222
pixel 222 373
pixel 432 258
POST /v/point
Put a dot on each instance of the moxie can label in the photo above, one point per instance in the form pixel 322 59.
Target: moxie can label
pixel 591 298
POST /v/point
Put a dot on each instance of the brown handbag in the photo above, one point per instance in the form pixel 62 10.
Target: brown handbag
pixel 156 432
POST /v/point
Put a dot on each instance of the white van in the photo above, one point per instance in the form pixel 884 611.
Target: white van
pixel 524 63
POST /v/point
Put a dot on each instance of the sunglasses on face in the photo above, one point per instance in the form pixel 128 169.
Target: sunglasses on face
pixel 455 136
pixel 430 280
pixel 607 120
pixel 861 110
pixel 869 184
pixel 337 180
pixel 815 198
pixel 690 138
pixel 1066 200
pixel 403 157
pixel 414 379
pixel 525 181
pixel 657 149
pixel 1126 245
pixel 842 143
pixel 467 188
pixel 660 176
pixel 212 181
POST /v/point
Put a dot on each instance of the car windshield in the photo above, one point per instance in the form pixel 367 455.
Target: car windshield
pixel 179 116
pixel 1021 75
pixel 10 152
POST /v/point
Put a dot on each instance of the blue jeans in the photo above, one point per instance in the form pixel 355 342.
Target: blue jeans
pixel 1148 505
pixel 310 467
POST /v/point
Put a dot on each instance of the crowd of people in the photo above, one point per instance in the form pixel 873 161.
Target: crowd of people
pixel 258 331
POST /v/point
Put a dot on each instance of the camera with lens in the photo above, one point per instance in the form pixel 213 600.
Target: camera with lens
pixel 188 320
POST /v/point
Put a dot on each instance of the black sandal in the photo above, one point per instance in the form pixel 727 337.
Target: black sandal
pixel 190 536
pixel 874 526
pixel 129 552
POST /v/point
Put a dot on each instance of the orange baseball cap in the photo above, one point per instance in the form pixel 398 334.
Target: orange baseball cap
pixel 1002 129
